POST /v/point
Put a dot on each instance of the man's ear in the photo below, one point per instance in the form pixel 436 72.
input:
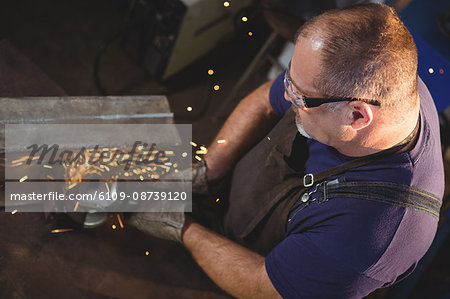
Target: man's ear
pixel 361 114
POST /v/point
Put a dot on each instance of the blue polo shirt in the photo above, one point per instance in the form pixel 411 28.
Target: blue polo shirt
pixel 346 247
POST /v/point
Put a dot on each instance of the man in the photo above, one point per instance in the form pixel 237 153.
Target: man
pixel 353 86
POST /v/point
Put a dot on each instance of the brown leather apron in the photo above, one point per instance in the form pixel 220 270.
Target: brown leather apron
pixel 264 187
pixel 270 179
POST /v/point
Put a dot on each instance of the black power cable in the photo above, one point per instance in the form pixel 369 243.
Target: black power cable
pixel 102 49
pixel 106 43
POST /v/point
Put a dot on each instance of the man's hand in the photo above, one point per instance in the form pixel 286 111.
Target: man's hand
pixel 199 179
pixel 168 225
pixel 163 225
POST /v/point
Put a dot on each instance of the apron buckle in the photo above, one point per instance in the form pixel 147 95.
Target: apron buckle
pixel 308 180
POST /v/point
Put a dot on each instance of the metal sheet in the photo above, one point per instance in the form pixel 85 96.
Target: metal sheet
pixel 84 110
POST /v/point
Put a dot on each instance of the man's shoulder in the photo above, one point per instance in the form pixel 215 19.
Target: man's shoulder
pixel 426 157
pixel 362 245
pixel 363 234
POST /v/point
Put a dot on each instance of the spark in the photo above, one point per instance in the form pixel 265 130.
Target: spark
pixel 72 185
pixel 120 220
pixel 114 226
pixel 76 206
pixel 47 166
pixel 244 19
pixel 75 172
pixel 189 108
pixel 216 87
pixel 50 177
pixel 198 158
pixel 147 253
pixel 268 138
pixel 23 179
pixel 184 154
pixel 221 141
pixel 193 143
pixel 210 72
pixel 217 200
pixel 61 230
pixel 13 212
pixel 250 33
pixel 430 70
pixel 203 148
pixel 226 4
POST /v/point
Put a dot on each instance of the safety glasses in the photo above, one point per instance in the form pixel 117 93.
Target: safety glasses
pixel 302 102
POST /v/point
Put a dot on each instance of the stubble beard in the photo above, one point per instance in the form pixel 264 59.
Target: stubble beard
pixel 300 128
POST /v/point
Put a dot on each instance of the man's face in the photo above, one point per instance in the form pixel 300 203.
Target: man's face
pixel 318 123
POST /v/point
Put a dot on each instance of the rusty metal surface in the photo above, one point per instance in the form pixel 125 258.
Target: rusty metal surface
pixel 84 110
pixel 111 109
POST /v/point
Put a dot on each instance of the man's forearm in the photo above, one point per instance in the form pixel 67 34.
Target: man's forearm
pixel 250 121
pixel 232 267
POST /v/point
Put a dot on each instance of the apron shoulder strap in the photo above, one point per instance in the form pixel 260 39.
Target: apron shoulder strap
pixel 391 193
pixel 398 194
